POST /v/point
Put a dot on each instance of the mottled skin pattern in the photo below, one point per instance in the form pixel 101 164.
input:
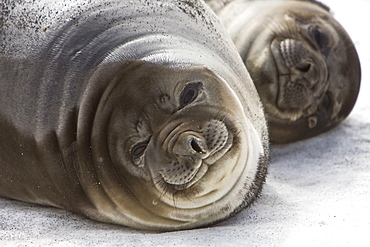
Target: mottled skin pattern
pixel 137 113
pixel 302 61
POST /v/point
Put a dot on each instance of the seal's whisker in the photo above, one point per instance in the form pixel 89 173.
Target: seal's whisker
pixel 273 27
pixel 132 122
pixel 186 194
pixel 162 185
pixel 173 194
pixel 158 179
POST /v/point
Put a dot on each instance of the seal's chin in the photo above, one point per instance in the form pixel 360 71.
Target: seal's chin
pixel 192 177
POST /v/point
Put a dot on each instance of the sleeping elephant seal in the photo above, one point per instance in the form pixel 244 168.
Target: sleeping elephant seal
pixel 137 113
pixel 302 61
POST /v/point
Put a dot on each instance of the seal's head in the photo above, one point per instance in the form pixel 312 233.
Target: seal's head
pixel 305 68
pixel 177 147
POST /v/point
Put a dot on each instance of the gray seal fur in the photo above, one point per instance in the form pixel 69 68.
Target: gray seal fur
pixel 137 113
pixel 302 61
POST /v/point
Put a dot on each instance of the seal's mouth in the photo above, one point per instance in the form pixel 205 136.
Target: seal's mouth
pixel 173 177
pixel 193 151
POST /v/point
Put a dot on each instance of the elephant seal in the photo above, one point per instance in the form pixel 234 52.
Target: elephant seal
pixel 302 61
pixel 137 113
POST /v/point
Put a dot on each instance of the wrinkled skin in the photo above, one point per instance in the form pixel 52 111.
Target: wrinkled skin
pixel 302 61
pixel 119 110
pixel 178 149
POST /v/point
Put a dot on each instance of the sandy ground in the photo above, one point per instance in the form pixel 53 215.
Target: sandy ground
pixel 317 191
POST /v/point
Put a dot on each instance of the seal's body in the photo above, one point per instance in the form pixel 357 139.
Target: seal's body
pixel 131 112
pixel 302 61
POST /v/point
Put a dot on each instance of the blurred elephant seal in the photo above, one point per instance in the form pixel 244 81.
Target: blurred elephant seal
pixel 120 111
pixel 302 61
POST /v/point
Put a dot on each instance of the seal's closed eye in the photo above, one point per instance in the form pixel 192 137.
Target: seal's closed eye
pixel 321 39
pixel 326 101
pixel 190 93
pixel 138 150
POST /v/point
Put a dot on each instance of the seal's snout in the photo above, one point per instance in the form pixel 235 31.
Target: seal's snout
pixel 216 135
pixel 298 58
pixel 302 76
pixel 293 51
pixel 190 146
pixel 194 145
pixel 193 148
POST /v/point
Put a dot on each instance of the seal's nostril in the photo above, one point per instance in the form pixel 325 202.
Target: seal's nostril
pixel 195 145
pixel 304 67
